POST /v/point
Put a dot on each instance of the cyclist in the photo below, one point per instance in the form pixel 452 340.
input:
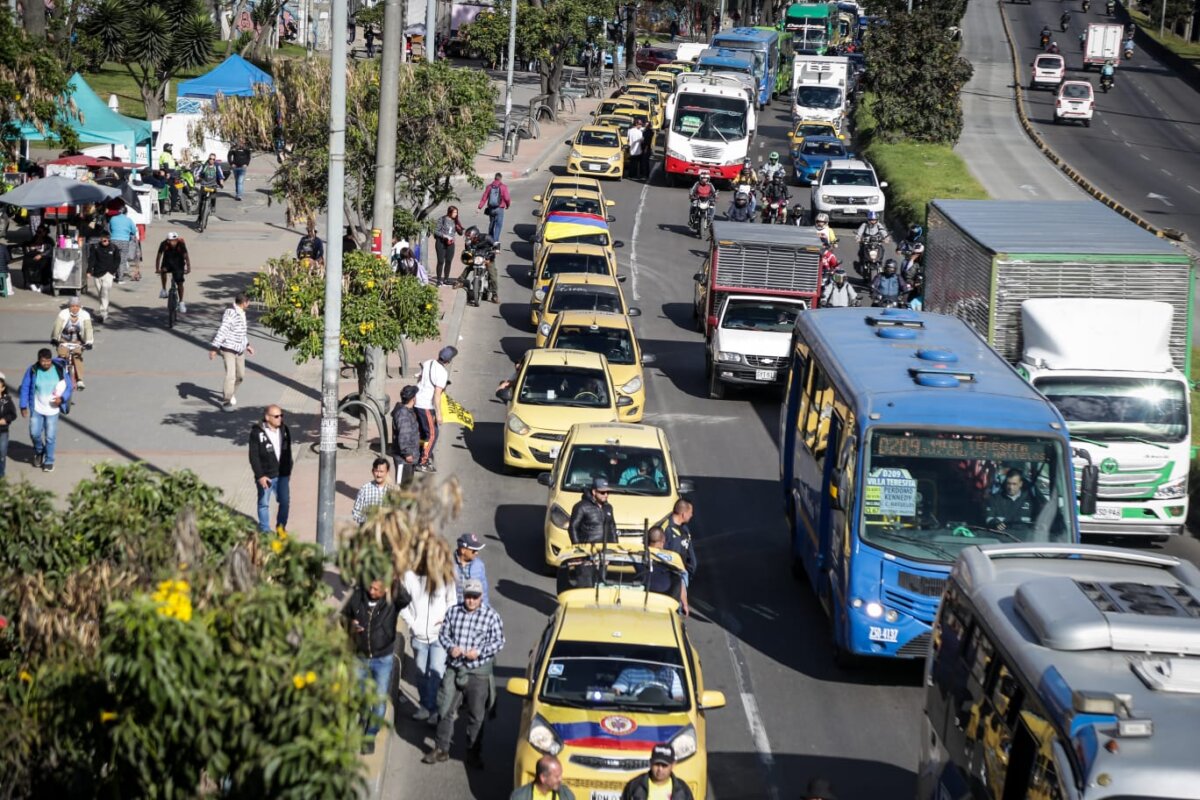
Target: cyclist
pixel 210 175
pixel 72 335
pixel 173 259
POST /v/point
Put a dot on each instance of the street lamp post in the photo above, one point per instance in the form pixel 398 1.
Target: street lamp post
pixel 508 81
pixel 1162 23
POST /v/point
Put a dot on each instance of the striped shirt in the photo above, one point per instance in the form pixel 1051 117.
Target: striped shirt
pixel 232 333
pixel 371 494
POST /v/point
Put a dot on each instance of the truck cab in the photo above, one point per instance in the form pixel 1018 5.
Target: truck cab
pixel 819 86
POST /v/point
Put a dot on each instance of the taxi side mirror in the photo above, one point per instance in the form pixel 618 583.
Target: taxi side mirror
pixel 686 487
pixel 624 402
pixel 610 203
pixel 537 212
pixel 537 198
pixel 568 141
pixel 648 359
pixel 698 277
pixel 521 688
pixel 709 698
pixel 505 394
pixel 543 478
pixel 621 278
pixel 634 312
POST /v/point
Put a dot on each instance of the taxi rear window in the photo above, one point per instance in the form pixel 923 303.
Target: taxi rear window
pixel 598 239
pixel 585 298
pixel 559 263
pixel 615 343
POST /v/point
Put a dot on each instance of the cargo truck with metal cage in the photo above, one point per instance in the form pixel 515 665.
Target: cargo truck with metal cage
pixel 1097 314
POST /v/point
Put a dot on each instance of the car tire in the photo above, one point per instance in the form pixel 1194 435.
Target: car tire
pixel 1087 123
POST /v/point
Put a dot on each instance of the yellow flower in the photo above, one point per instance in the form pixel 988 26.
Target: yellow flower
pixel 108 716
pixel 277 546
pixel 370 284
pixel 337 686
pixel 183 567
pixel 428 306
pixel 280 532
pixel 25 676
pixel 182 587
pixel 310 677
pixel 298 681
pixel 295 288
pixel 257 281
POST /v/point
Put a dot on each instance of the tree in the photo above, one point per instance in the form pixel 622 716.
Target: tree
pixel 33 84
pixel 918 92
pixel 153 41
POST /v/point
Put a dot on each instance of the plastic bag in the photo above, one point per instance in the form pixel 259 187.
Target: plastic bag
pixel 63 267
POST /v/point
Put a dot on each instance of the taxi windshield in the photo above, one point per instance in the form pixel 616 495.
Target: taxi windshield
pixel 555 385
pixel 559 263
pixel 617 676
pixel 598 139
pixel 628 470
pixel 615 343
pixel 578 205
pixel 585 298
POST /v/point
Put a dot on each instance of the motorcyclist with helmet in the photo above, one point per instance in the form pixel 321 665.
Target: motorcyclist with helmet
pixel 888 285
pixel 476 242
pixel 702 189
pixel 775 192
pixel 838 293
pixel 1108 73
pixel 912 261
pixel 742 207
pixel 1045 36
pixel 1064 21
pixel 871 230
pixel 747 177
pixel 770 169
pixel 829 260
pixel 1053 49
pixel 822 228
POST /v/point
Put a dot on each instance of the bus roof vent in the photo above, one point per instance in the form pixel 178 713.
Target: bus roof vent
pixel 896 333
pixel 896 317
pixel 1066 614
pixel 941 378
pixel 938 355
pixel 1178 675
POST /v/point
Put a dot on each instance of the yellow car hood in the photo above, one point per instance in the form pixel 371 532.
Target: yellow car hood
pixel 560 419
pixel 606 729
pixel 596 152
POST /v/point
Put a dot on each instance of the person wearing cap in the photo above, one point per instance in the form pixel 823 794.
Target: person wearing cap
pixel 435 377
pixel 468 565
pixel 8 413
pixel 472 634
pixel 173 260
pixel 547 783
pixel 592 518
pixel 406 436
pixel 104 261
pixel 371 618
pixel 819 789
pixel 372 493
pixel 660 781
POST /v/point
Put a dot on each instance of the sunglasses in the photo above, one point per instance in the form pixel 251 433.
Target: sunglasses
pixel 274 416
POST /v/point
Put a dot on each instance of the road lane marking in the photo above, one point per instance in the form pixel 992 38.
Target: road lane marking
pixel 671 418
pixel 1144 156
pixel 1194 189
pixel 637 226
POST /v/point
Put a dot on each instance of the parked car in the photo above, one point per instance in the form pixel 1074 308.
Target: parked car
pixel 1075 101
pixel 650 58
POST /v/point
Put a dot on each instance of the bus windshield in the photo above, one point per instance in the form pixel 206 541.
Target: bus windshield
pixel 1114 408
pixel 710 117
pixel 928 494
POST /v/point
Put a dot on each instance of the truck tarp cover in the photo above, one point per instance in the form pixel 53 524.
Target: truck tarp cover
pixel 779 258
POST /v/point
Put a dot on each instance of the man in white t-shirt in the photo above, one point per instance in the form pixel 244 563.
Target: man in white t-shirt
pixel 435 375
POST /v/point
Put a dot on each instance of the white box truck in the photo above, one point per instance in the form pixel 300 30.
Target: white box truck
pixel 819 88
pixel 1103 43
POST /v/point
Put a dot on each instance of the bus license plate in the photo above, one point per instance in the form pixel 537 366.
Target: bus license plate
pixel 1107 512
pixel 882 634
pixel 764 374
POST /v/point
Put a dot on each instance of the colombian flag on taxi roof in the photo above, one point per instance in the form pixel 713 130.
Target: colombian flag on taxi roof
pixel 578 218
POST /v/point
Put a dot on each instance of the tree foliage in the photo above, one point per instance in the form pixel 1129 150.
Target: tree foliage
pixel 379 308
pixel 918 88
pixel 33 84
pixel 154 41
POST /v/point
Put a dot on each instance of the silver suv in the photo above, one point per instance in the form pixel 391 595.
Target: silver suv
pixel 846 189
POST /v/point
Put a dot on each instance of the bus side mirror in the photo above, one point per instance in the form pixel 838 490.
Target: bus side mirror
pixel 1089 489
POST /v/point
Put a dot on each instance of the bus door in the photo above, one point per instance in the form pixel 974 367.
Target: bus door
pixel 813 473
pixel 842 503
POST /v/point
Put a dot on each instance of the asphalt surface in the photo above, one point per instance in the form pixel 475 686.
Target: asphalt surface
pixel 1143 147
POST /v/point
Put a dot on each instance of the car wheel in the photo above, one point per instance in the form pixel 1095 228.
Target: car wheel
pixel 1087 123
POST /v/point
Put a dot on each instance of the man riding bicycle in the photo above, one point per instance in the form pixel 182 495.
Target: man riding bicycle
pixel 72 335
pixel 210 177
pixel 173 260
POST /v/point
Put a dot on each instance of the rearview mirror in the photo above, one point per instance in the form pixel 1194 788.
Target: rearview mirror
pixel 537 212
pixel 611 218
pixel 537 198
pixel 521 688
pixel 624 402
pixel 1089 488
pixel 621 278
pixel 686 487
pixel 543 478
pixel 709 698
pixel 635 312
pixel 568 141
pixel 648 359
pixel 698 277
pixel 883 184
pixel 610 203
pixel 505 394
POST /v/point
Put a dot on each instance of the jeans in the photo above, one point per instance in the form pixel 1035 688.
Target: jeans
pixel 496 225
pixel 4 453
pixel 430 661
pixel 40 424
pixel 278 487
pixel 380 670
pixel 239 180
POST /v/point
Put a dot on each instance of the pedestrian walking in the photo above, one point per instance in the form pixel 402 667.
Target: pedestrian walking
pixel 679 535
pixel 406 436
pixel 271 460
pixel 372 492
pixel 493 203
pixel 123 233
pixel 233 343
pixel 239 159
pixel 592 520
pixel 443 243
pixel 647 151
pixel 660 781
pixel 473 634
pixel 468 565
pixel 104 261
pixel 372 620
pixel 636 134
pixel 8 413
pixel 424 617
pixel 547 783
pixel 173 260
pixel 369 35
pixel 435 377
pixel 72 334
pixel 44 394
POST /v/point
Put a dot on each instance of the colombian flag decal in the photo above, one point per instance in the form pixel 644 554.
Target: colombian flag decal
pixel 615 733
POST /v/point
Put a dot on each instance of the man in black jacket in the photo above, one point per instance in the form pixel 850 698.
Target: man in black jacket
pixel 239 159
pixel 271 460
pixel 662 764
pixel 372 620
pixel 104 260
pixel 592 519
pixel 406 436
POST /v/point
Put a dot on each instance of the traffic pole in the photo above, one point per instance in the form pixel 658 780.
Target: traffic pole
pixel 332 353
pixel 430 30
pixel 508 81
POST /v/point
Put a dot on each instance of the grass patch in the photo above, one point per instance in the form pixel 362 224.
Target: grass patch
pixel 1188 51
pixel 916 172
pixel 113 78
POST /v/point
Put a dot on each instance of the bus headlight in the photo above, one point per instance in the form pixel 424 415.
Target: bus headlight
pixel 542 736
pixel 874 610
pixel 517 425
pixel 684 743
pixel 1171 490
pixel 675 155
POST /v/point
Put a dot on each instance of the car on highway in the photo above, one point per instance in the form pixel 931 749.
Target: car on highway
pixel 814 151
pixel 567 182
pixel 553 390
pixel 1047 70
pixel 596 150
pixel 612 675
pixel 846 189
pixel 578 292
pixel 609 333
pixel 810 127
pixel 575 258
pixel 1076 101
pixel 634 459
pixel 648 59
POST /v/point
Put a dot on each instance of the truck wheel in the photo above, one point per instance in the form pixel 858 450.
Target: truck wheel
pixel 716 389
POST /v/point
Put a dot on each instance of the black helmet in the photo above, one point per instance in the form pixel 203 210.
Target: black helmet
pixel 889 266
pixel 915 231
pixel 471 233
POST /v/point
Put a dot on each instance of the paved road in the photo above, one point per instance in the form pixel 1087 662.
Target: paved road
pixel 1143 147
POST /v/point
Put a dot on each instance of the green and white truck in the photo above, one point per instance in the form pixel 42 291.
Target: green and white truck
pixel 1097 313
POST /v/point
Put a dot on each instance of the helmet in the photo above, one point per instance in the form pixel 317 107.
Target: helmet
pixel 471 234
pixel 872 216
pixel 168 146
pixel 773 157
pixel 703 174
pixel 743 191
pixel 839 275
pixel 747 164
pixel 822 218
pixel 741 199
pixel 918 248
pixel 777 178
pixel 889 266
pixel 915 231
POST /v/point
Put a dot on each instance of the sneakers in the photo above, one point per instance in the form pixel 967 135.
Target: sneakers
pixel 420 714
pixel 183 308
pixel 79 385
pixel 227 407
pixel 162 294
pixel 33 287
pixel 425 468
pixel 47 468
pixel 38 459
pixel 435 756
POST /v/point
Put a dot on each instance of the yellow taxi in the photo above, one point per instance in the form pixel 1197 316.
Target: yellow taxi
pixel 651 95
pixel 675 68
pixel 597 150
pixel 575 291
pixel 612 105
pixel 553 390
pixel 621 122
pixel 636 462
pixel 813 127
pixel 563 227
pixel 614 675
pixel 558 259
pixel 568 182
pixel 665 81
pixel 566 204
pixel 611 334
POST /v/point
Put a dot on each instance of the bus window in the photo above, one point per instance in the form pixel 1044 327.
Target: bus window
pixel 816 419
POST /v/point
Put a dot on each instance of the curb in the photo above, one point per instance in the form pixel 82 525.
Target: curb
pixel 1059 161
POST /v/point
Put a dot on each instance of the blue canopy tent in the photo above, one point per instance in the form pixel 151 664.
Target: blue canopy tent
pixel 233 77
pixel 96 123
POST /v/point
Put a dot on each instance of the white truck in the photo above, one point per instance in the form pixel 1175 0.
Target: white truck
pixel 1103 43
pixel 1106 364
pixel 819 88
pixel 711 124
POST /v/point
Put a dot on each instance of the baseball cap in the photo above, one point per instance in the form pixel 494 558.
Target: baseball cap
pixel 599 483
pixel 472 586
pixel 172 235
pixel 470 541
pixel 447 354
pixel 408 393
pixel 662 754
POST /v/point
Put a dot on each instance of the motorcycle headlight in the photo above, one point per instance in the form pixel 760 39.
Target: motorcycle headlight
pixel 517 425
pixel 558 517
pixel 728 357
pixel 1172 490
pixel 575 153
pixel 633 386
pixel 827 198
pixel 544 329
pixel 684 743
pixel 543 738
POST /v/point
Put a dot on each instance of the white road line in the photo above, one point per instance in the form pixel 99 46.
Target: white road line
pixel 637 226
pixel 758 731
pixel 1144 156
pixel 1194 189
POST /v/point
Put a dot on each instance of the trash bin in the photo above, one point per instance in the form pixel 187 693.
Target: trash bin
pixel 511 144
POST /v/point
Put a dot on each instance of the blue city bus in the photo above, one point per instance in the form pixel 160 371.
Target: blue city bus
pixel 902 438
pixel 765 46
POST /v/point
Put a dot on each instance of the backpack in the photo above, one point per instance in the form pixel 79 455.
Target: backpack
pixel 493 200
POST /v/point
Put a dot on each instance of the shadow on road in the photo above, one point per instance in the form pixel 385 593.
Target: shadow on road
pixel 522 536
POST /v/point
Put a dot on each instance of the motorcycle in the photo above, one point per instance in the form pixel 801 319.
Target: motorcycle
pixel 1106 82
pixel 700 218
pixel 1045 40
pixel 870 256
pixel 1064 21
pixel 774 212
pixel 888 301
pixel 479 284
pixel 1128 53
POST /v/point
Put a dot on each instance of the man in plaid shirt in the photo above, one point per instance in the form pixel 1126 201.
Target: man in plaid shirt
pixel 472 634
pixel 373 492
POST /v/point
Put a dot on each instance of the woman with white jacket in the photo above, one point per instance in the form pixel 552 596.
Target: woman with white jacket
pixel 424 617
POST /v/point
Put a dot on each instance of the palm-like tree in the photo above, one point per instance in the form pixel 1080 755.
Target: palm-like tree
pixel 153 41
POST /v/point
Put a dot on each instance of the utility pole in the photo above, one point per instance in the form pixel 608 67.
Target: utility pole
pixel 332 354
pixel 1162 23
pixel 508 81
pixel 720 16
pixel 430 30
pixel 631 36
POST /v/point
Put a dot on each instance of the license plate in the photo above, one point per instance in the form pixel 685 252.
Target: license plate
pixel 849 211
pixel 599 795
pixel 1107 512
pixel 882 634
pixel 764 374
pixel 594 167
pixel 554 451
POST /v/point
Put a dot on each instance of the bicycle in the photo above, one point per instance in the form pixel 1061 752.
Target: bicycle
pixel 207 198
pixel 172 302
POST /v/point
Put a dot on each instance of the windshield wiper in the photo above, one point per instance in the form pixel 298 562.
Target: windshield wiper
pixel 631 490
pixel 563 701
pixel 1149 442
pixel 930 546
pixel 1087 440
